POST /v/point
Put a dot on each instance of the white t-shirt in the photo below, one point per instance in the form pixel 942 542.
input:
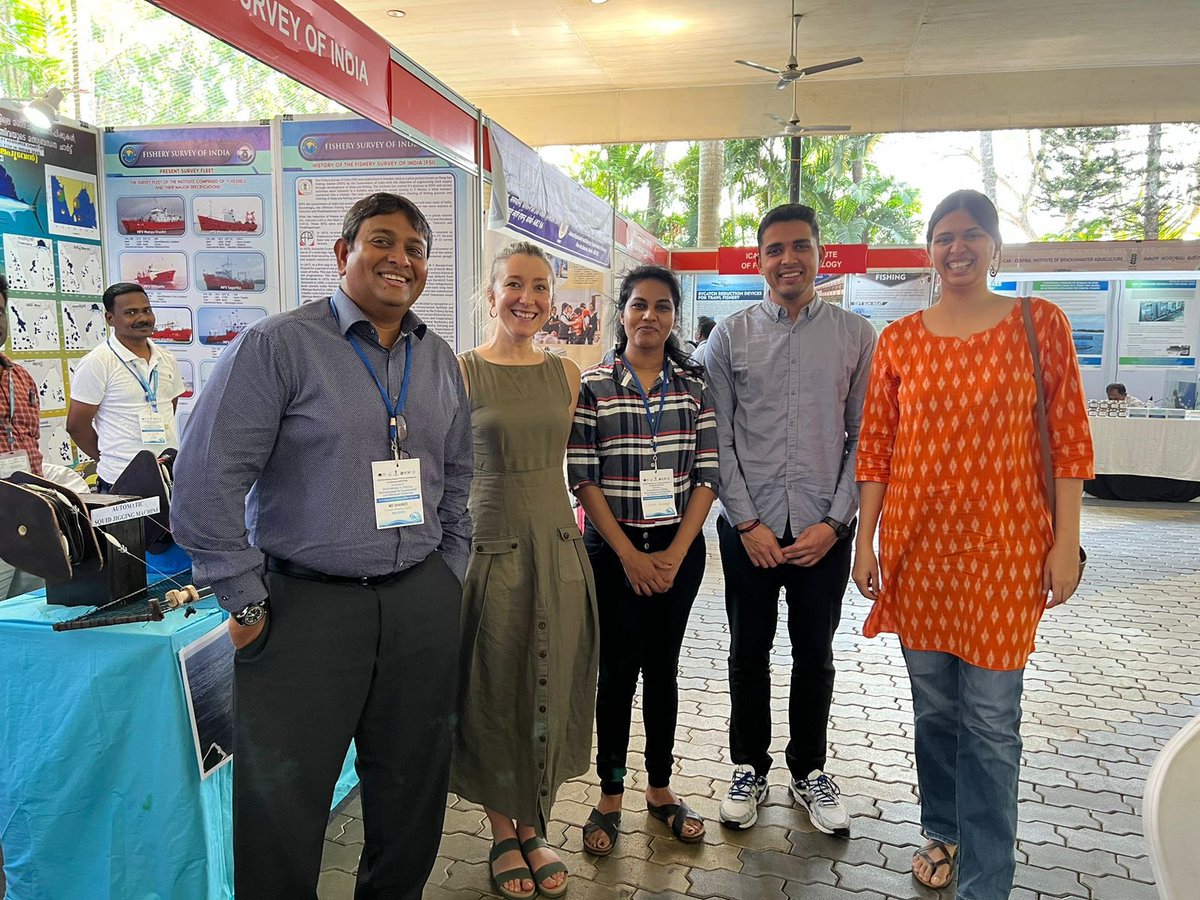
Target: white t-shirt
pixel 102 380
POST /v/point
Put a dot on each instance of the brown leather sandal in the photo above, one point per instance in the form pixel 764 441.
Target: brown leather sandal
pixel 947 861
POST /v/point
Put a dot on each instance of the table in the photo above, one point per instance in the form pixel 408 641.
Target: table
pixel 1145 459
pixel 100 793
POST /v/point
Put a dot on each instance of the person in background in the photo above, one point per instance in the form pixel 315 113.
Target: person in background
pixel 339 430
pixel 529 634
pixel 125 391
pixel 704 327
pixel 949 466
pixel 1116 391
pixel 20 427
pixel 643 462
pixel 788 376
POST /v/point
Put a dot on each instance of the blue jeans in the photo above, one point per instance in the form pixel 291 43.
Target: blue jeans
pixel 968 735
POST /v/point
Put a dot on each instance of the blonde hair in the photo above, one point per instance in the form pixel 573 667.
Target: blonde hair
pixel 520 248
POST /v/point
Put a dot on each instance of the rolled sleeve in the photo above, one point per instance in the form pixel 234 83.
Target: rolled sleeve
pixel 706 472
pixel 583 460
pixel 229 438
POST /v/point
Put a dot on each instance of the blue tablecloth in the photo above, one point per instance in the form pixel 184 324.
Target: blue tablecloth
pixel 100 792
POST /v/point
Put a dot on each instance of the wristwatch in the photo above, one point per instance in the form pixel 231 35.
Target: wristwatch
pixel 841 529
pixel 252 614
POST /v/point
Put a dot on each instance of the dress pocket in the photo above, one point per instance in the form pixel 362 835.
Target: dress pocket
pixel 569 549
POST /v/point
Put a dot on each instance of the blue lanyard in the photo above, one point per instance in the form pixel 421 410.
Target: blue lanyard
pixel 395 410
pixel 652 420
pixel 151 389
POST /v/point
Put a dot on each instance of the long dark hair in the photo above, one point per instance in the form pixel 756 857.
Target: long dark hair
pixel 674 350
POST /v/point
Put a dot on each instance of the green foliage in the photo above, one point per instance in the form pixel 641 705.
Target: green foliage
pixel 32 34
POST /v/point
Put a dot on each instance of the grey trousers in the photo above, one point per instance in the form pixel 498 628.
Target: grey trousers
pixel 335 662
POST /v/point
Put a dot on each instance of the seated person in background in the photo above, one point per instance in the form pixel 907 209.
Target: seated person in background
pixel 704 327
pixel 124 393
pixel 1116 391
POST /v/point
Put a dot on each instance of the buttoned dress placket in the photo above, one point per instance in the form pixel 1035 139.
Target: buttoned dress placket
pixel 794 461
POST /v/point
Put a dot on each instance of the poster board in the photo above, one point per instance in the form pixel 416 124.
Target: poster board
pixel 50 233
pixel 328 163
pixel 190 215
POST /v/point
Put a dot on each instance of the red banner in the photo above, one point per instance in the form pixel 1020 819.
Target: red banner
pixel 417 104
pixel 640 243
pixel 840 259
pixel 316 42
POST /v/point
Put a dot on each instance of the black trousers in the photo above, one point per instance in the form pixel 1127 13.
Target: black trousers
pixel 814 609
pixel 335 662
pixel 639 634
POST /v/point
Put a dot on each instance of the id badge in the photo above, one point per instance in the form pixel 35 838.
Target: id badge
pixel 658 493
pixel 16 461
pixel 396 485
pixel 154 427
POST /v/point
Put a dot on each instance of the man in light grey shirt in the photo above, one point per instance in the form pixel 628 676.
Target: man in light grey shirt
pixel 788 377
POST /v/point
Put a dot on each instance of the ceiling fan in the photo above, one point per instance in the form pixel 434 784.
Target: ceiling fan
pixel 792 72
pixel 793 128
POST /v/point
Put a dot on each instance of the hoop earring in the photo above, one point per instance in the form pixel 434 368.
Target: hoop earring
pixel 491 312
pixel 994 270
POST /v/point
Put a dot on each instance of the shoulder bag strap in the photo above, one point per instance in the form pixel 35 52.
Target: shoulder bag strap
pixel 1042 423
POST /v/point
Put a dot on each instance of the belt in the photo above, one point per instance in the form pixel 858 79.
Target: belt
pixel 295 570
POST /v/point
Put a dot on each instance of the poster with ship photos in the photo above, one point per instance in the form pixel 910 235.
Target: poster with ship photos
pixel 328 164
pixel 190 215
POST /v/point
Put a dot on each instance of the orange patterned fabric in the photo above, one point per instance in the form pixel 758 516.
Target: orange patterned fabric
pixel 949 426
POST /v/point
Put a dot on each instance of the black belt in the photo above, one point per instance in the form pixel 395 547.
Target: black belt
pixel 295 570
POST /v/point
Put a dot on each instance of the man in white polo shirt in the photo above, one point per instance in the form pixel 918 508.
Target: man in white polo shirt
pixel 124 392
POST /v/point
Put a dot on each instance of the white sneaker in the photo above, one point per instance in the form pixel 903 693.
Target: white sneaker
pixel 739 809
pixel 819 795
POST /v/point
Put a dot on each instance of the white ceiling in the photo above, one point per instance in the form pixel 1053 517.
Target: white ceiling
pixel 570 71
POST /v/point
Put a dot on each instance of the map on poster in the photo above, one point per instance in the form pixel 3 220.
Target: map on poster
pixel 1086 306
pixel 48 193
pixel 1159 324
pixel 328 165
pixel 190 215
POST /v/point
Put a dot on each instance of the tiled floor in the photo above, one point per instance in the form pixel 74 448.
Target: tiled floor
pixel 1116 674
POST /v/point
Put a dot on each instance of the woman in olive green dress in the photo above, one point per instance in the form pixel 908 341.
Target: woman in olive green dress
pixel 528 684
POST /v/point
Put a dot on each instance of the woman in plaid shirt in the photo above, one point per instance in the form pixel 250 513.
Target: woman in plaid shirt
pixel 643 461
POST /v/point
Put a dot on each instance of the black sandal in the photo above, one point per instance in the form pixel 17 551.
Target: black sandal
pixel 676 816
pixel 549 869
pixel 604 822
pixel 935 864
pixel 521 873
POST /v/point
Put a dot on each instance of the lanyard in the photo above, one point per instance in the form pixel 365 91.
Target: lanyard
pixel 151 389
pixel 395 410
pixel 652 420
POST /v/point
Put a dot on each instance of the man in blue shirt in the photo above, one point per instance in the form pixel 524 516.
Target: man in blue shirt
pixel 788 377
pixel 339 432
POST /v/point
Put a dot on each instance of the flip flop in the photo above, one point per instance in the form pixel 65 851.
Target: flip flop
pixel 935 864
pixel 676 816
pixel 550 868
pixel 521 873
pixel 605 822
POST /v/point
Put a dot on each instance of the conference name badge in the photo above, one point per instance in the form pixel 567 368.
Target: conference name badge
pixel 17 461
pixel 658 493
pixel 154 427
pixel 396 484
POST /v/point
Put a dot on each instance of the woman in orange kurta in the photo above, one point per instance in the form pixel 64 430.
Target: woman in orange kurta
pixel 949 453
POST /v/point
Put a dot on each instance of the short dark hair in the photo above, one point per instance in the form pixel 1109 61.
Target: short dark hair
pixel 790 212
pixel 113 291
pixel 704 326
pixel 981 208
pixel 4 289
pixel 1120 388
pixel 381 203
